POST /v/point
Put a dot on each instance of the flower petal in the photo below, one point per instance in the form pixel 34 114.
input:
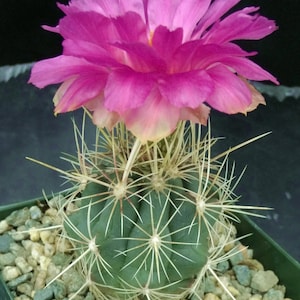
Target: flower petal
pixel 124 25
pixel 60 68
pixel 231 95
pixel 101 116
pixel 215 11
pixel 88 26
pixel 240 25
pixel 154 120
pixel 248 69
pixel 176 14
pixel 141 58
pixel 196 55
pixel 109 8
pixel 256 99
pixel 126 90
pixel 188 89
pixel 75 93
pixel 197 115
pixel 165 42
pixel 93 53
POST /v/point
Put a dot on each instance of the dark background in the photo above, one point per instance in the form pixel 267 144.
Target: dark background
pixel 28 127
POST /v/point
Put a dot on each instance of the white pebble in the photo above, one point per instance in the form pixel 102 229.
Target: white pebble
pixel 25 288
pixel 22 297
pixel 23 265
pixel 233 291
pixel 40 280
pixel 63 245
pixel 52 271
pixel 35 212
pixel 37 250
pixel 27 244
pixel 3 226
pixel 46 237
pixel 44 262
pixel 49 250
pixel 10 273
pixel 256 297
pixel 211 296
pixel 52 212
pixel 32 262
pixel 47 220
pixel 34 234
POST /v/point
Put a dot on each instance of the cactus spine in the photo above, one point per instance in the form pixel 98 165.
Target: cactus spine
pixel 145 217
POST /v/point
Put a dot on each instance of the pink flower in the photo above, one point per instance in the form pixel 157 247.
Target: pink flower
pixel 151 63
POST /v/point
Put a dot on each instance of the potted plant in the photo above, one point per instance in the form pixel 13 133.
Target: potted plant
pixel 151 213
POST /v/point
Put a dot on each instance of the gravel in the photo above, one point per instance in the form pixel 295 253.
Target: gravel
pixel 32 255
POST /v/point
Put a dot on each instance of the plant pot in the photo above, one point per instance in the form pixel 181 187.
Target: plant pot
pixel 266 251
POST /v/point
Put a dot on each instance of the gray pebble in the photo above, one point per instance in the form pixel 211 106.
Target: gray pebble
pixel 44 294
pixel 209 284
pixel 60 259
pixel 74 281
pixel 18 217
pixel 7 259
pixel 59 289
pixel 223 266
pixel 5 240
pixel 17 250
pixel 21 279
pixel 32 223
pixel 273 295
pixel 20 234
pixel 236 258
pixel 243 274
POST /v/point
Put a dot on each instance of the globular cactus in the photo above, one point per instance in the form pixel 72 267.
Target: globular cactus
pixel 144 217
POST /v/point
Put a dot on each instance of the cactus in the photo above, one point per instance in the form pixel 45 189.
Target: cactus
pixel 144 218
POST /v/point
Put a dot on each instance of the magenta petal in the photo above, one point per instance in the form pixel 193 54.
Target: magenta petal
pixel 51 29
pixel 240 26
pixel 57 69
pixel 124 25
pixel 176 14
pixel 196 55
pixel 126 90
pixel 93 53
pixel 76 93
pixel 215 11
pixel 188 89
pixel 109 8
pixel 96 28
pixel 141 57
pixel 231 95
pixel 165 42
pixel 248 69
pixel 88 26
pixel 155 120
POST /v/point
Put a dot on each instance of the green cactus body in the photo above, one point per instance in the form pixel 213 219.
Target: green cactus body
pixel 148 236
